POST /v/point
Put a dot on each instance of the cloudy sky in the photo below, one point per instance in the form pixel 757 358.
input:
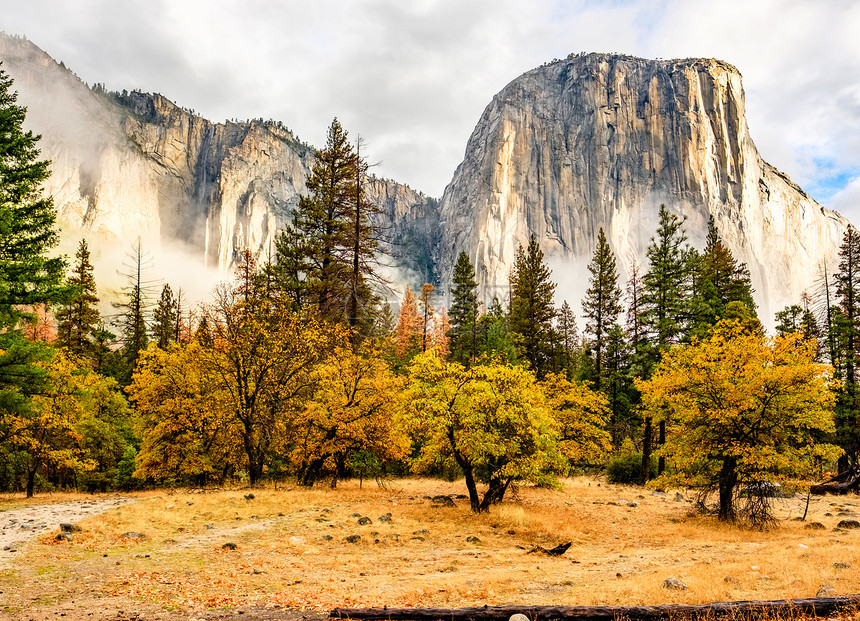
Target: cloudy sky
pixel 413 76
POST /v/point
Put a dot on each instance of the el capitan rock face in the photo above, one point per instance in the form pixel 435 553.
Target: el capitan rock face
pixel 600 141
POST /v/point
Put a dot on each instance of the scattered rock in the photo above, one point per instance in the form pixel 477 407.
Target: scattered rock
pixel 249 497
pixel 826 591
pixel 674 583
pixel 364 521
pixel 327 537
pixel 258 571
pixel 423 531
pixel 556 551
pixel 633 504
pixel 384 518
pixel 473 539
pixel 417 539
pixel 658 493
pixel 353 538
pixel 229 546
pixel 69 528
pixel 848 524
pixel 135 536
pixel 209 526
pixel 679 497
pixel 730 580
pixel 841 565
pixel 815 526
pixel 394 536
pixel 518 617
pixel 442 501
pixel 297 541
pixel 354 515
pixel 64 536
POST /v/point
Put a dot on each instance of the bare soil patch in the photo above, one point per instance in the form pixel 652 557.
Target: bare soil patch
pixel 305 552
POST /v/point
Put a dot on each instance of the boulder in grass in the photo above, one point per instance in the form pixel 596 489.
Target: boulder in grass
pixel 135 536
pixel 848 524
pixel 675 584
pixel 65 527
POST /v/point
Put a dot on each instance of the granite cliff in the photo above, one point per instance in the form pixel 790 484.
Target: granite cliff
pixel 600 141
pixel 134 164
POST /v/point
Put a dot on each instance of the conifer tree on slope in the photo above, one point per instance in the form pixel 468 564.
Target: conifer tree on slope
pixel 601 304
pixel 666 305
pixel 719 281
pixel 339 242
pixel 165 319
pixel 532 308
pixel 28 275
pixel 847 329
pixel 78 320
pixel 464 312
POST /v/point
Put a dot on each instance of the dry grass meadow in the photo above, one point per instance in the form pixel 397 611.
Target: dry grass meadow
pixel 291 550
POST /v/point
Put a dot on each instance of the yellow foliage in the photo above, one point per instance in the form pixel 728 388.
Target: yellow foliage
pixel 740 401
pixel 350 411
pixel 582 416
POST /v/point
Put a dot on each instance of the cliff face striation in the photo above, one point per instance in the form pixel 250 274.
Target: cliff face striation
pixel 600 141
pixel 134 164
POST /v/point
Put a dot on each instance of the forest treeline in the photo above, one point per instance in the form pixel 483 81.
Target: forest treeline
pixel 298 367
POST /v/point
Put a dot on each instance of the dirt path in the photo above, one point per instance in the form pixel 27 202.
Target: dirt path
pixel 19 527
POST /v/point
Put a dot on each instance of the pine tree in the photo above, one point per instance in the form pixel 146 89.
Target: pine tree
pixel 427 315
pixel 78 319
pixel 664 296
pixel 532 308
pixel 719 281
pixel 464 312
pixel 336 237
pixel 165 319
pixel 847 330
pixel 134 310
pixel 666 307
pixel 568 337
pixel 601 304
pixel 287 273
pixel 27 218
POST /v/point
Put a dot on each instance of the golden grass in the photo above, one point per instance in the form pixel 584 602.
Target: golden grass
pixel 620 554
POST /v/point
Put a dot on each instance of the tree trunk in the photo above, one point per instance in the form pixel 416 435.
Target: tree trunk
pixel 31 479
pixel 728 481
pixel 495 493
pixel 787 608
pixel 646 452
pixel 661 462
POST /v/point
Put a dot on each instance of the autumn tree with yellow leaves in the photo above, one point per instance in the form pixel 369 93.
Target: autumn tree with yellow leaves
pixel 350 412
pixel 742 409
pixel 491 420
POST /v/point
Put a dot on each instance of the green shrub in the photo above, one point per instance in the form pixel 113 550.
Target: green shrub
pixel 626 468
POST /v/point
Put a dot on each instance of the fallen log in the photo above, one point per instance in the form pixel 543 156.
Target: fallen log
pixel 556 551
pixel 843 483
pixel 817 606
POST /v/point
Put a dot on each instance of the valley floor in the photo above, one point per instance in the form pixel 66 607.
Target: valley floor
pixel 291 552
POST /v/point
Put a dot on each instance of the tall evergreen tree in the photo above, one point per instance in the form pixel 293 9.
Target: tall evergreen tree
pixel 427 314
pixel 165 319
pixel 847 329
pixel 338 239
pixel 28 275
pixel 601 305
pixel 134 309
pixel 79 318
pixel 568 336
pixel 665 302
pixel 719 280
pixel 532 308
pixel 463 336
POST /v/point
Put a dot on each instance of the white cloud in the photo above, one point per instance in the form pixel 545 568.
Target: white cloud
pixel 413 77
